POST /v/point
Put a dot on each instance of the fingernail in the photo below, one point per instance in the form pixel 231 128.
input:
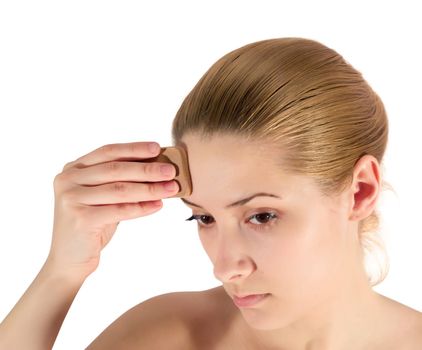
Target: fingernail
pixel 170 186
pixel 154 147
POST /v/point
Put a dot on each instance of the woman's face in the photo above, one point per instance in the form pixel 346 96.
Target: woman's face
pixel 303 251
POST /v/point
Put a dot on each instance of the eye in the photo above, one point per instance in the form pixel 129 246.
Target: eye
pixel 264 216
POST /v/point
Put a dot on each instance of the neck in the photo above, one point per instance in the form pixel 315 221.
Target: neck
pixel 346 317
pixel 330 325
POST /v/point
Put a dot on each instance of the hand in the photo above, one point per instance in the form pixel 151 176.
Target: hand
pixel 94 193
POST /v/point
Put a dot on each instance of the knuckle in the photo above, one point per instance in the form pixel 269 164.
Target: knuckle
pixel 126 209
pixel 122 207
pixel 143 207
pixel 152 189
pixel 135 148
pixel 60 179
pixel 108 150
pixel 68 197
pixel 149 169
pixel 57 179
pixel 113 167
pixel 64 176
pixel 67 165
pixel 120 188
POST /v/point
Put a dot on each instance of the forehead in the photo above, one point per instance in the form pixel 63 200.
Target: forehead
pixel 227 148
pixel 228 156
pixel 224 169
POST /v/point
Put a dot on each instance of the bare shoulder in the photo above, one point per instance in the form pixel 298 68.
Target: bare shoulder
pixel 415 330
pixel 404 325
pixel 161 322
pixel 412 336
pixel 179 320
pixel 211 320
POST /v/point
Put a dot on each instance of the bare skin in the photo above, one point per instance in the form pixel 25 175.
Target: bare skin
pixel 217 324
pixel 309 259
pixel 310 264
pixel 92 195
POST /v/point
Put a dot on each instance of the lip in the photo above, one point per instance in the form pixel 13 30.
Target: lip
pixel 249 300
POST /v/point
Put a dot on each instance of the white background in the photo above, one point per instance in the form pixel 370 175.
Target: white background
pixel 75 75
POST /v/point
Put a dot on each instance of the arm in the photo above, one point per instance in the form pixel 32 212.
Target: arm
pixel 85 220
pixel 36 319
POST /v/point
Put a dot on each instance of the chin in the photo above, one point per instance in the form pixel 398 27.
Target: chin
pixel 260 320
pixel 268 318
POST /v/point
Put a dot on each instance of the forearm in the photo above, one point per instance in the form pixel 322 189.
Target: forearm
pixel 37 317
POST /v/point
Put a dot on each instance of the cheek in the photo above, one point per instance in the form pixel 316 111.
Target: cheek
pixel 304 264
pixel 207 244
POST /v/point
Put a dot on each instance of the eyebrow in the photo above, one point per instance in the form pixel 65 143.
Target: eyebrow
pixel 239 202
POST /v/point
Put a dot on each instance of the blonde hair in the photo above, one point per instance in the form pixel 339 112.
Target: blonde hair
pixel 307 101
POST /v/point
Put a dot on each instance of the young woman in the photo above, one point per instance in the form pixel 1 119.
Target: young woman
pixel 285 141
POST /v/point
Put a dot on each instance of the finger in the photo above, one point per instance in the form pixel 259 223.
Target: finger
pixel 112 213
pixel 118 171
pixel 115 151
pixel 120 192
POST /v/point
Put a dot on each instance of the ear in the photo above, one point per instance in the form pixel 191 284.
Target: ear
pixel 365 187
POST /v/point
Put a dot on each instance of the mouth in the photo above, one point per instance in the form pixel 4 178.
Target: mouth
pixel 249 300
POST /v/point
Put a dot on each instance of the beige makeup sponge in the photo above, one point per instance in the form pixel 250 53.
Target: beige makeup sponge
pixel 179 158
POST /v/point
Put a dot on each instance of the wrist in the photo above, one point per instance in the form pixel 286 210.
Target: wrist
pixel 53 270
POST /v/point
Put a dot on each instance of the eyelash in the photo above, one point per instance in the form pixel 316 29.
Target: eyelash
pixel 259 227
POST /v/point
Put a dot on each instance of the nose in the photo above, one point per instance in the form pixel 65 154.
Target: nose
pixel 231 262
